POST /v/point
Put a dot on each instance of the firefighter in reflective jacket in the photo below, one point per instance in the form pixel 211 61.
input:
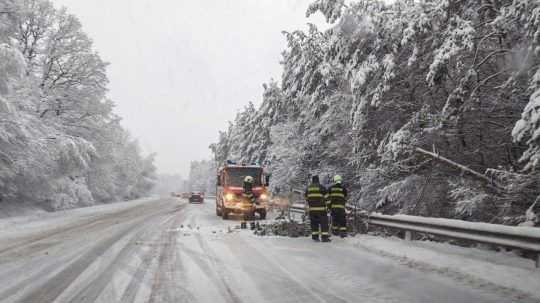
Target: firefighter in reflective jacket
pixel 315 197
pixel 247 196
pixel 337 198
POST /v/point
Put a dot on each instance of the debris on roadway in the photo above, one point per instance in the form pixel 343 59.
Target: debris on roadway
pixel 282 228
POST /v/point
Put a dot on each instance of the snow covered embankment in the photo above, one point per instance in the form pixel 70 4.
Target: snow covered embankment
pixel 40 220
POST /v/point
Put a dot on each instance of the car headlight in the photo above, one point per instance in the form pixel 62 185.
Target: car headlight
pixel 263 197
pixel 229 197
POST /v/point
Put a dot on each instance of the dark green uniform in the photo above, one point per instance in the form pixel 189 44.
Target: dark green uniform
pixel 337 199
pixel 315 197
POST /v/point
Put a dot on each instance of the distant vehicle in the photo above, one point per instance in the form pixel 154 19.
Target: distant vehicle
pixel 196 198
pixel 176 195
pixel 230 179
pixel 186 195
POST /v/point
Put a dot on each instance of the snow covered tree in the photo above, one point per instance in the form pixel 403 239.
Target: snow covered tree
pixel 61 145
pixel 417 103
pixel 202 177
pixel 331 9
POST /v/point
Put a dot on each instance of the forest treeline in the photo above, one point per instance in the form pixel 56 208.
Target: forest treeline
pixel 425 107
pixel 61 144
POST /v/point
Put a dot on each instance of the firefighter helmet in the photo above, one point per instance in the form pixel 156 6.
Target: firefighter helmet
pixel 338 179
pixel 248 179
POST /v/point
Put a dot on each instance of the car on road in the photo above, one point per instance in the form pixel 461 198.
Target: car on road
pixel 196 198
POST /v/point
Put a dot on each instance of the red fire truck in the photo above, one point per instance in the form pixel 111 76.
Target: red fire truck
pixel 230 179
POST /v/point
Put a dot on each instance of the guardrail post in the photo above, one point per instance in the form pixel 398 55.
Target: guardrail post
pixel 289 212
pixel 408 235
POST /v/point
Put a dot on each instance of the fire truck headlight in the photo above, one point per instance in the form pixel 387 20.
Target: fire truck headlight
pixel 263 197
pixel 229 197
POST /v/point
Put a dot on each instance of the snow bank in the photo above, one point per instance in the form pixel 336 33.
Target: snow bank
pixel 40 220
pixel 504 270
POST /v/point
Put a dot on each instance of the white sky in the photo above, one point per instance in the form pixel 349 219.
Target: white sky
pixel 180 69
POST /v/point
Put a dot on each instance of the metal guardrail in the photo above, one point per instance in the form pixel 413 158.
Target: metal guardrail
pixel 298 208
pixel 525 238
pixel 297 204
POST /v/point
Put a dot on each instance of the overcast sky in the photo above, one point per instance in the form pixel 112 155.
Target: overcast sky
pixel 180 69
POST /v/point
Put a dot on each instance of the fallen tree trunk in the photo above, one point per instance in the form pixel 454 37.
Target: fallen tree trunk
pixel 461 167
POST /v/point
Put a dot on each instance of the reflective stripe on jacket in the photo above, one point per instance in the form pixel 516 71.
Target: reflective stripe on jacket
pixel 315 197
pixel 337 196
pixel 249 196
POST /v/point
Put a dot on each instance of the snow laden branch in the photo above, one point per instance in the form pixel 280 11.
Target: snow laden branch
pixel 331 9
pixel 457 165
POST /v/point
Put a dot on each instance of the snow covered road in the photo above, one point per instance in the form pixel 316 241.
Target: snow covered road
pixel 168 251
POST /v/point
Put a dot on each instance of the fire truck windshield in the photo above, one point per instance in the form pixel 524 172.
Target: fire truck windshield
pixel 235 176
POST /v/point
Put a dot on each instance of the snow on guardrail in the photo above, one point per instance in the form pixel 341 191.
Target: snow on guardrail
pixel 517 231
pixel 526 238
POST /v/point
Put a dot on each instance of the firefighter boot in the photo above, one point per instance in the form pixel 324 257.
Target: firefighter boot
pixel 326 238
pixel 315 238
pixel 243 225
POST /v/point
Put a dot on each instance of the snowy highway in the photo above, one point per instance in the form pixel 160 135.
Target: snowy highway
pixel 166 250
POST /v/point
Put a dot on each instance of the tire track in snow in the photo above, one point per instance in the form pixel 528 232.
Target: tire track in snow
pixel 29 243
pixel 141 271
pixel 50 270
pixel 206 259
pixel 216 269
pixel 57 284
pixel 165 287
pixel 207 264
pixel 269 279
pixel 46 265
pixel 44 272
pixel 95 287
pixel 137 279
pixel 297 290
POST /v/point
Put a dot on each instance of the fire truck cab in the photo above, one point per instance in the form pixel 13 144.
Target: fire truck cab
pixel 230 180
